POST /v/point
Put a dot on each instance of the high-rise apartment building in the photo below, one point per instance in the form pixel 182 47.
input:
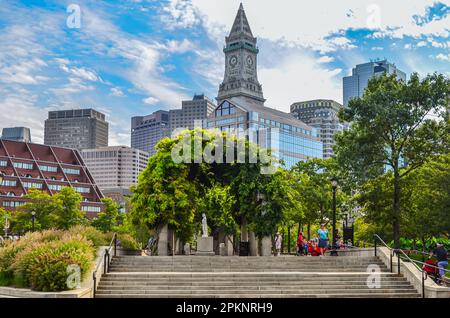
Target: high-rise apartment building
pixel 17 134
pixel 147 131
pixel 115 167
pixel 323 115
pixel 76 128
pixel 199 108
pixel 354 85
pixel 25 166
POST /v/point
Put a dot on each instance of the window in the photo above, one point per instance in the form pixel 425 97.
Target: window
pixel 9 183
pixel 12 204
pixel 48 168
pixel 22 165
pixel 55 187
pixel 71 171
pixel 82 189
pixel 3 163
pixel 32 185
pixel 91 208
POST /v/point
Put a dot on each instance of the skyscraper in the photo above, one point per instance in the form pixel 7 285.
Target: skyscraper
pixel 76 128
pixel 321 114
pixel 198 108
pixel 17 134
pixel 355 84
pixel 241 102
pixel 147 131
pixel 115 167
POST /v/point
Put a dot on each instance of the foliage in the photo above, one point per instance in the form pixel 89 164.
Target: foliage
pixel 92 234
pixel 61 211
pixel 40 259
pixel 44 266
pixel 107 220
pixel 128 242
pixel 390 128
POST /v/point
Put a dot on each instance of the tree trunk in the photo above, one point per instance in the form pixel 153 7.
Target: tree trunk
pixel 309 231
pixel 396 210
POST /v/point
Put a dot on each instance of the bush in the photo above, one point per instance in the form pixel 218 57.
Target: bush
pixel 44 266
pixel 97 237
pixel 128 242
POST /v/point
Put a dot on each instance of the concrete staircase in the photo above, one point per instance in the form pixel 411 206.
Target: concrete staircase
pixel 248 277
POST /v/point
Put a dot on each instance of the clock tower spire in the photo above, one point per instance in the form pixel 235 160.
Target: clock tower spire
pixel 241 78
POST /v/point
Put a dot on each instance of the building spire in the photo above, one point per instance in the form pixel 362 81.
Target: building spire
pixel 240 26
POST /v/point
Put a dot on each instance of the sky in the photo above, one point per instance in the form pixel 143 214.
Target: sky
pixel 133 57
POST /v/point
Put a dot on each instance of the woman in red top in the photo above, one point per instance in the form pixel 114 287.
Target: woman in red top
pixel 300 243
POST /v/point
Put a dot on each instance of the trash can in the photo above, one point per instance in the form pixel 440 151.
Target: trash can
pixel 244 248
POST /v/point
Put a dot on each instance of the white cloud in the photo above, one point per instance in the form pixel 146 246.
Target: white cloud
pixel 299 77
pixel 180 14
pixel 81 72
pixel 117 92
pixel 443 57
pixel 377 48
pixel 310 24
pixel 407 46
pixel 421 43
pixel 325 59
pixel 150 100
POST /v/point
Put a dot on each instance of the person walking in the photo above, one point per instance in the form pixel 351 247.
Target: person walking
pixel 323 238
pixel 441 254
pixel 300 243
pixel 278 242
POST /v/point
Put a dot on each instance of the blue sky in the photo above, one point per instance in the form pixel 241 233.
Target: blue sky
pixel 133 57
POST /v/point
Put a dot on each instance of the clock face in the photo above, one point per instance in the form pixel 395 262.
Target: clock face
pixel 233 60
pixel 249 61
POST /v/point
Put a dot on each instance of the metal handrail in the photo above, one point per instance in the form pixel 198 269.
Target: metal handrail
pixel 398 251
pixel 106 261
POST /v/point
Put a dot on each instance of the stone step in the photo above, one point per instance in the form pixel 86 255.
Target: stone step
pixel 261 292
pixel 247 287
pixel 246 283
pixel 299 295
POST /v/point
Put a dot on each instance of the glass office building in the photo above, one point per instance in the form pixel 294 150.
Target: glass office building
pixel 270 128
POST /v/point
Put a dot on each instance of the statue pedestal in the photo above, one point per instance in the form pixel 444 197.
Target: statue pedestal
pixel 205 246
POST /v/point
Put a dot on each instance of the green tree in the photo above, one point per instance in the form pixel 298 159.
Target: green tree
pixel 107 220
pixel 45 207
pixel 69 212
pixel 390 125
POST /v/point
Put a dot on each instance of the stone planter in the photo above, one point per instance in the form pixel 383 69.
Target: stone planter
pixel 128 252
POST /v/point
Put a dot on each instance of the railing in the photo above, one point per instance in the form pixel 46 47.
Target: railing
pixel 414 262
pixel 106 261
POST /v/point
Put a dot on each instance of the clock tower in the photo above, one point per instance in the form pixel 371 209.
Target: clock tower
pixel 241 78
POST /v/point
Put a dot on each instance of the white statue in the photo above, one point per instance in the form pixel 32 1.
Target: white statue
pixel 204 226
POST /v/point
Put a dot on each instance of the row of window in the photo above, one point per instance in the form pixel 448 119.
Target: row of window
pixel 12 204
pixel 3 163
pixel 91 208
pixel 22 165
pixel 82 189
pixel 9 183
pixel 34 185
pixel 71 171
pixel 48 168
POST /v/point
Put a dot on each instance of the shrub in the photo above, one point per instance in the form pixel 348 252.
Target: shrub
pixel 128 242
pixel 43 266
pixel 92 234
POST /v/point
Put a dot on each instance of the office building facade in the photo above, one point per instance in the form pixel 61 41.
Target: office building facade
pixel 25 166
pixel 17 134
pixel 197 109
pixel 77 128
pixel 321 114
pixel 241 103
pixel 147 131
pixel 354 85
pixel 115 167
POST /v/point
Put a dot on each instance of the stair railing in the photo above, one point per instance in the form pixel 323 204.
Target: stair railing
pixel 392 252
pixel 106 262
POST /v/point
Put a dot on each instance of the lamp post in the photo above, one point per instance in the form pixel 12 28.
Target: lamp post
pixel 33 218
pixel 334 184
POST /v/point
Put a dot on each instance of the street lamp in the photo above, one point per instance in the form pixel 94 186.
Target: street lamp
pixel 33 218
pixel 334 184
